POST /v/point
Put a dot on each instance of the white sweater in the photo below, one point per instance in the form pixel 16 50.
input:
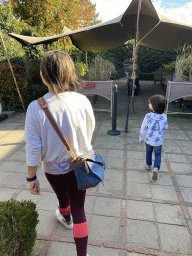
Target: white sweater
pixel 74 116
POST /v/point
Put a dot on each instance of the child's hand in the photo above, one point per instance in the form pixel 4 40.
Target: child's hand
pixel 141 142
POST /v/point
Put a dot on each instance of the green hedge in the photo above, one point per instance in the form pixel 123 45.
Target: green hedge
pixel 146 76
pixel 18 221
pixel 9 95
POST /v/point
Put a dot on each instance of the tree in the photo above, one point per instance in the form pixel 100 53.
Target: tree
pixel 48 14
pixel 150 60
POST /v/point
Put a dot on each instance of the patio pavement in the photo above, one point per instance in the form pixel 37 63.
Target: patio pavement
pixel 130 215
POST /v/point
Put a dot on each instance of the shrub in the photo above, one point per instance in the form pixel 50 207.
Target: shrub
pixel 100 69
pixel 146 76
pixel 18 221
pixel 183 65
pixel 8 91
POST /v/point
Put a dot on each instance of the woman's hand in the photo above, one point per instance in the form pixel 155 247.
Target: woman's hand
pixel 141 142
pixel 33 187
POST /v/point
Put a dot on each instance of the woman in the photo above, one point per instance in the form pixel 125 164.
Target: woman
pixel 74 116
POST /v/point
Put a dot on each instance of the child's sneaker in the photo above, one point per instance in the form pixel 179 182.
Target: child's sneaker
pixel 148 167
pixel 61 219
pixel 154 174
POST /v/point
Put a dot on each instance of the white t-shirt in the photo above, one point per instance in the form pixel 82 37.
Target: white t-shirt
pixel 74 116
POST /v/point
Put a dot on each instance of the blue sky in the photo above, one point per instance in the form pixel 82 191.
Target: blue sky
pixel 178 10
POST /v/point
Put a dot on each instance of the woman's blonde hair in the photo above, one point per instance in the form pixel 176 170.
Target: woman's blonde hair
pixel 58 71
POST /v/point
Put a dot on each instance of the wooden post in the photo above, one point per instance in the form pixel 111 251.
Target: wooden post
pixel 14 78
pixel 135 51
pixel 63 36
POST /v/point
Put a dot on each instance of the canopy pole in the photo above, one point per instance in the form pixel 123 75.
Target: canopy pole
pixel 14 78
pixel 135 51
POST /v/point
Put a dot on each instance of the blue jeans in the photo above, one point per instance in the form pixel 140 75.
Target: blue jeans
pixel 157 151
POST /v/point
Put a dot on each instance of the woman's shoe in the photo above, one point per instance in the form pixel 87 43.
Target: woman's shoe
pixel 61 219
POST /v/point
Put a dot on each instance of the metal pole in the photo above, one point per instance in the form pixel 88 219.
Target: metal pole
pixel 135 51
pixel 127 121
pixel 114 132
pixel 14 78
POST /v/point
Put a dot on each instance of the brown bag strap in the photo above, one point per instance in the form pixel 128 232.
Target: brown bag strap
pixel 43 105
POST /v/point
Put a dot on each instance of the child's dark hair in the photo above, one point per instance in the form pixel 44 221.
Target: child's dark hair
pixel 158 103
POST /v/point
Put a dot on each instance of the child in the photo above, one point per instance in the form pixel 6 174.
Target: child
pixel 151 132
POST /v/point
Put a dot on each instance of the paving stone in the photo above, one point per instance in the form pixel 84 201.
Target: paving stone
pixel 135 155
pixel 140 210
pixel 11 140
pixel 168 135
pixel 163 179
pixel 38 248
pixel 135 147
pixel 136 164
pixel 163 167
pixel 47 201
pixel 7 150
pixel 9 166
pixel 175 239
pixel 177 158
pixel 170 214
pixel 26 195
pixel 62 231
pixel 101 142
pixel 142 234
pixel 184 181
pixel 137 176
pixel 173 126
pixel 116 143
pixel 189 159
pixel 114 175
pixel 132 141
pixel 111 188
pixel 6 193
pixel 139 190
pixel 164 193
pixel 95 251
pixel 89 204
pixel 46 221
pixel 184 143
pixel 134 254
pixel 21 167
pixel 5 126
pixel 15 179
pixel 186 150
pixel 116 154
pixel 3 133
pixel 181 167
pixel 167 143
pixel 171 149
pixel 3 176
pixel 113 162
pixel 18 156
pixel 187 194
pixel 104 229
pixel 108 207
pixel 190 211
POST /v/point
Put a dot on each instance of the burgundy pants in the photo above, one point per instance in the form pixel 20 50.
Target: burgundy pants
pixel 65 187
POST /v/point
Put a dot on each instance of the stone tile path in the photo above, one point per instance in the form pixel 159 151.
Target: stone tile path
pixel 130 215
